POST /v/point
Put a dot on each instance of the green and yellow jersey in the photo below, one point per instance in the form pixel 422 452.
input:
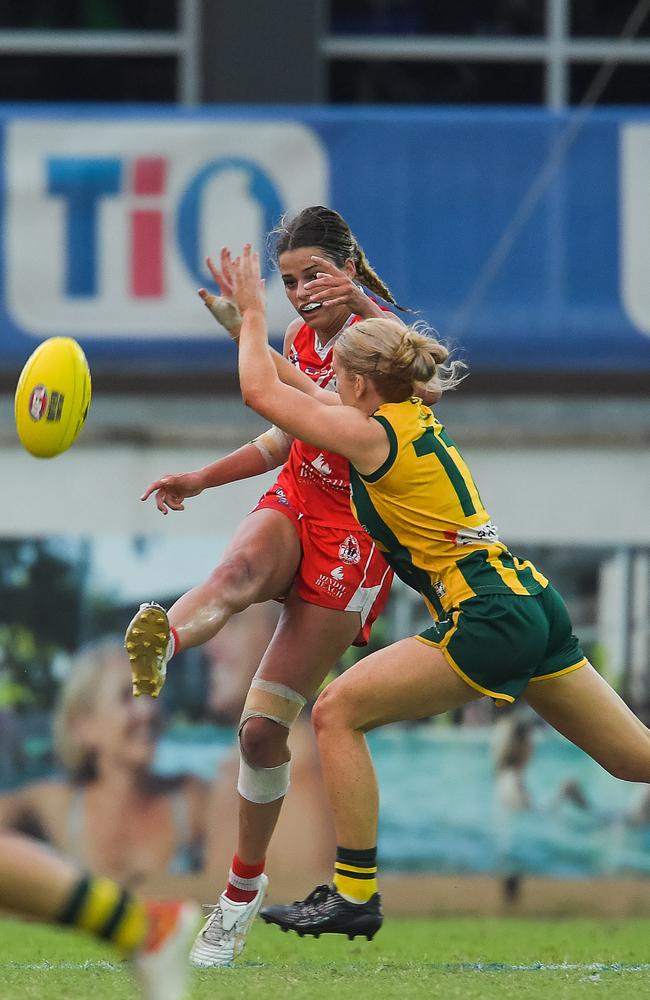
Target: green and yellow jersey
pixel 425 513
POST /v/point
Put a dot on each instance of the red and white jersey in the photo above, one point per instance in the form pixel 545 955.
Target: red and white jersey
pixel 318 481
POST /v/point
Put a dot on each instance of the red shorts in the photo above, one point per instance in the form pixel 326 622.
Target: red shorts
pixel 340 568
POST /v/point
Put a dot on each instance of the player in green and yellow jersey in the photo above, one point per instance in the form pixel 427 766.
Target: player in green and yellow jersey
pixel 498 627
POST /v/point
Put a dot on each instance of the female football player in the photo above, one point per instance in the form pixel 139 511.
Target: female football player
pixel 301 543
pixel 499 628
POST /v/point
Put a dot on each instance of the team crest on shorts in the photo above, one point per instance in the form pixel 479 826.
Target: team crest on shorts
pixel 349 550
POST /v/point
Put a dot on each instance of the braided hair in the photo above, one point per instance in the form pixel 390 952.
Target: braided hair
pixel 324 228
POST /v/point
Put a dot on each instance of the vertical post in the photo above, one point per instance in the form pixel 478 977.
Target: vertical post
pixel 188 84
pixel 614 617
pixel 262 53
pixel 557 69
pixel 640 632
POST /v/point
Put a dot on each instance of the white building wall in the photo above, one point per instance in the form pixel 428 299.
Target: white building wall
pixel 552 494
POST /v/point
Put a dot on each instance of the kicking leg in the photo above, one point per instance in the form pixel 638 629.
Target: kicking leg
pixel 259 564
pixel 583 707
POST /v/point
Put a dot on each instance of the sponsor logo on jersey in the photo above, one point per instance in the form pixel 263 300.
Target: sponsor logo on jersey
pixel 487 532
pixel 337 573
pixel 307 471
pixel 350 550
pixel 324 377
pixel 440 589
pixel 322 466
pixel 331 586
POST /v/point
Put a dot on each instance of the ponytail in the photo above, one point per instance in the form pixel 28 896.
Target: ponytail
pixel 369 277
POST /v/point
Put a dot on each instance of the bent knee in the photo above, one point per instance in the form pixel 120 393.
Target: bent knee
pixel 264 742
pixel 235 578
pixel 332 710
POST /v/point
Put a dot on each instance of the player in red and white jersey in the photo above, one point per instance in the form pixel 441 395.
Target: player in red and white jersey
pixel 313 489
pixel 321 479
pixel 301 544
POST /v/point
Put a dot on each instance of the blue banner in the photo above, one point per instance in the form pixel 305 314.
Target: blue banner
pixel 523 237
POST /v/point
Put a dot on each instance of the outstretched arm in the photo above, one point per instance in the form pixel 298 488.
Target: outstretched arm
pixel 342 429
pixel 265 452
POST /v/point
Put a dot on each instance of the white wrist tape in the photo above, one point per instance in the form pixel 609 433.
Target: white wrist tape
pixel 226 313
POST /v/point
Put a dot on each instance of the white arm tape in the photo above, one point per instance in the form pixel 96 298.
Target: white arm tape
pixel 274 445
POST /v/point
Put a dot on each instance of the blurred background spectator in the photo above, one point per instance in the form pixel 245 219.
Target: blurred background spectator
pixel 111 812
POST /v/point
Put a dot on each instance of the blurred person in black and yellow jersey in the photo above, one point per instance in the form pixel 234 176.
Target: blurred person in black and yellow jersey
pixel 498 627
pixel 155 937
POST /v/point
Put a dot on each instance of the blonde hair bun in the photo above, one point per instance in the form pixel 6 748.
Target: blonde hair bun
pixel 397 357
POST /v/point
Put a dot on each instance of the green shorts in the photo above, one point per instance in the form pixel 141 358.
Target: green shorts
pixel 499 643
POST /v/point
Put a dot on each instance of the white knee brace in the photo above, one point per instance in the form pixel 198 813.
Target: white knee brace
pixel 277 702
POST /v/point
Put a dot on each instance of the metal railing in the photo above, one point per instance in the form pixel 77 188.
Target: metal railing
pixel 183 44
pixel 556 49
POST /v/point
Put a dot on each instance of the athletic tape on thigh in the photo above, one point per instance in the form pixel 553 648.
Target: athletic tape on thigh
pixel 262 784
pixel 268 700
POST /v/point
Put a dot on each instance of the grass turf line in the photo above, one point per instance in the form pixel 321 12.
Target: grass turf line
pixel 451 959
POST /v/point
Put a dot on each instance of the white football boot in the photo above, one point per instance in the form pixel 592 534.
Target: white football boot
pixel 149 644
pixel 224 933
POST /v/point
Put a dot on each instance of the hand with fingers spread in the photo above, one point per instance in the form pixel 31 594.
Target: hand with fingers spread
pixel 333 286
pixel 173 489
pixel 248 286
pixel 223 278
pixel 222 306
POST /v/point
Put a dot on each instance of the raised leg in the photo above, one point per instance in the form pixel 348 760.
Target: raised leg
pixel 258 565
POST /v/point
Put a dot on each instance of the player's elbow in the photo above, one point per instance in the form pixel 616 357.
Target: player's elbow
pixel 252 396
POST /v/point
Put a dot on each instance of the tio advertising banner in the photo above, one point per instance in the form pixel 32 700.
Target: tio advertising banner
pixel 106 217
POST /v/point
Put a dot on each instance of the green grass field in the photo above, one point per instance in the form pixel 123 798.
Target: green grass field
pixel 468 959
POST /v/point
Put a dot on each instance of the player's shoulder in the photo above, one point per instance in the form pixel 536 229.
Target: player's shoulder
pixel 293 330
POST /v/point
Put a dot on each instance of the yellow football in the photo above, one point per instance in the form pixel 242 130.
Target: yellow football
pixel 52 397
